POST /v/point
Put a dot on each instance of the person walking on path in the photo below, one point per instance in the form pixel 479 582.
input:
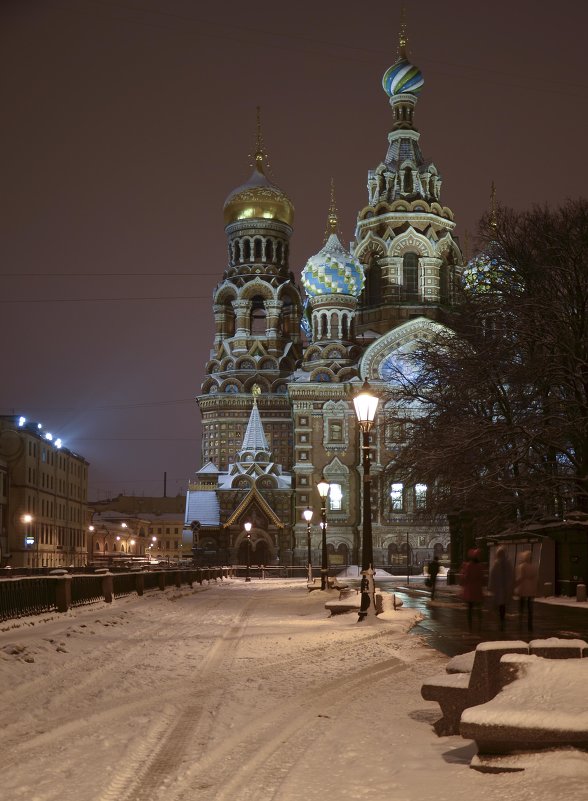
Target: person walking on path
pixel 500 583
pixel 472 582
pixel 526 587
pixel 433 573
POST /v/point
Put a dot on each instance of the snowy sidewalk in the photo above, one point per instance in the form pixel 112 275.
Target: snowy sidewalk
pixel 235 692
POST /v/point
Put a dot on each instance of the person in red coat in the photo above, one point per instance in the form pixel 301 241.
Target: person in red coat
pixel 472 584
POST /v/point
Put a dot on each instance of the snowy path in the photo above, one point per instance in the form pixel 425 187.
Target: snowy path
pixel 235 692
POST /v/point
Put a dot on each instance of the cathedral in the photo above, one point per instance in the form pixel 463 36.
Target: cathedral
pixel 288 357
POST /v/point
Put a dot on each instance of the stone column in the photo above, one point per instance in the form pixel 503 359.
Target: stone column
pixel 242 310
pixel 429 284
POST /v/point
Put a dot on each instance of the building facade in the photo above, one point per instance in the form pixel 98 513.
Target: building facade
pixel 44 494
pixel 288 359
pixel 129 528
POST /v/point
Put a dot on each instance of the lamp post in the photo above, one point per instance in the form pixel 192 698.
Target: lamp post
pixel 307 514
pixel 366 405
pixel 91 529
pixel 247 527
pixel 323 488
pixel 30 539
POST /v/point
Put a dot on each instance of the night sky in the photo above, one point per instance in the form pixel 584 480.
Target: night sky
pixel 126 124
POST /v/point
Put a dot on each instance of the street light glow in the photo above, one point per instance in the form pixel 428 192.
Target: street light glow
pixel 307 514
pixel 323 487
pixel 366 405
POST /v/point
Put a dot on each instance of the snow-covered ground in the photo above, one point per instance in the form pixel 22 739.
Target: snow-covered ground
pixel 237 692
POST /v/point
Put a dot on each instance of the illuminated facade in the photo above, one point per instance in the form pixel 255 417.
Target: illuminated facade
pixel 288 360
pixel 44 519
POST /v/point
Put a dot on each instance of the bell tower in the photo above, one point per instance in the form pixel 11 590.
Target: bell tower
pixel 404 235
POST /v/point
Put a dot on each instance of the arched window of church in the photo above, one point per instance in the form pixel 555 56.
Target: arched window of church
pixel 420 496
pixel 324 325
pixel 257 249
pixel 345 327
pixel 258 316
pixel 397 496
pixel 373 283
pixel 335 497
pixel 269 250
pixel 410 275
pixel 246 250
pixel 432 186
pixel 279 252
pixel 408 185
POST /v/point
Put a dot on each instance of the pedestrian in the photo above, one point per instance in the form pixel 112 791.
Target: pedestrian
pixel 472 582
pixel 526 586
pixel 433 573
pixel 500 583
pixel 364 589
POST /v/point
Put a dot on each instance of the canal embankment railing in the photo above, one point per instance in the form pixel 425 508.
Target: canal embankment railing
pixel 24 596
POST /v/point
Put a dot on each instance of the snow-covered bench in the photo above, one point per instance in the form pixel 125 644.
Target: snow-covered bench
pixel 455 692
pixel 541 706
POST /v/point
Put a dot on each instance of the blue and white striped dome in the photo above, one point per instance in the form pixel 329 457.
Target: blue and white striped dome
pixel 333 271
pixel 402 78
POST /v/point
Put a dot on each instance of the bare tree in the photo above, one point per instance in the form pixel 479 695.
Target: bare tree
pixel 497 408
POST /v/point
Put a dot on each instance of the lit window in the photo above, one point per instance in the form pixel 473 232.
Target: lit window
pixel 396 491
pixel 335 498
pixel 420 496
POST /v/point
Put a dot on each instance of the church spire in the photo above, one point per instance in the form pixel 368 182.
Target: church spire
pixel 402 34
pixel 493 213
pixel 255 444
pixel 260 157
pixel 332 218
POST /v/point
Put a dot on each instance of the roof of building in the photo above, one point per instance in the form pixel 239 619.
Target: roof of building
pixel 203 506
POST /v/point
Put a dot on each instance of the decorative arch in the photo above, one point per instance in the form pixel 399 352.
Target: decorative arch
pixel 225 294
pixel 209 386
pixel 231 386
pixel 257 379
pixel 337 473
pixel 411 241
pixel 322 375
pixel 335 425
pixel 257 288
pixel 371 244
pixel 403 336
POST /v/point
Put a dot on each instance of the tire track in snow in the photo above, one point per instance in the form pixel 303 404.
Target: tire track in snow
pixel 83 671
pixel 164 749
pixel 268 749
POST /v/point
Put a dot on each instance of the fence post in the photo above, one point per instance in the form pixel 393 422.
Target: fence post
pixel 178 578
pixel 161 579
pixel 140 583
pixel 63 593
pixel 107 587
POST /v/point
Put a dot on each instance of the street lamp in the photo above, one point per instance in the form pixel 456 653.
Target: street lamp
pixel 247 527
pixel 307 514
pixel 27 519
pixel 366 405
pixel 323 488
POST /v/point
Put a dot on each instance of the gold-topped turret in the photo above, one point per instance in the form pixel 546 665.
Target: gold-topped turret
pixel 259 198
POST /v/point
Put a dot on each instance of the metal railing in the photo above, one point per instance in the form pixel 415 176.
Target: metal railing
pixel 86 590
pixel 26 596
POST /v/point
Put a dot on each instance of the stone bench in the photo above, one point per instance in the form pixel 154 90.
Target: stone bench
pixel 455 692
pixel 539 706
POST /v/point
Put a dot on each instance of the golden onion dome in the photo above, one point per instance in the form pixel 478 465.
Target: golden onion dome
pixel 258 199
